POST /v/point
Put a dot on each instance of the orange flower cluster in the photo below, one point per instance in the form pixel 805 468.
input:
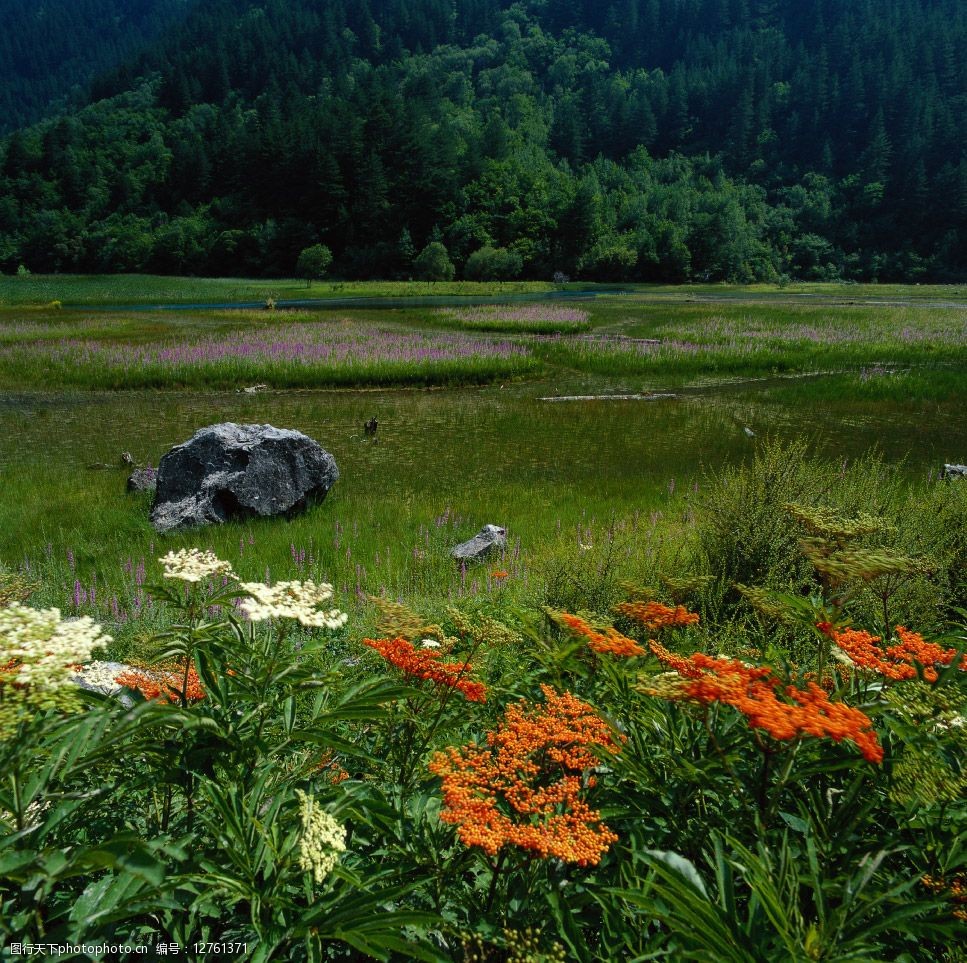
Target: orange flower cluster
pixel 166 683
pixel 500 575
pixel 654 616
pixel 896 662
pixel 609 641
pixel 327 766
pixel 524 788
pixel 755 692
pixel 955 889
pixel 425 664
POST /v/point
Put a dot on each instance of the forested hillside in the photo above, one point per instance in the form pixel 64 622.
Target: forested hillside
pixel 51 50
pixel 641 139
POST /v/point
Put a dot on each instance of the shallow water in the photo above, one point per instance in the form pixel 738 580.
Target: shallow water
pixel 462 439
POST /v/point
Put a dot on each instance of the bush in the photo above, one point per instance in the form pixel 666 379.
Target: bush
pixel 493 264
pixel 433 263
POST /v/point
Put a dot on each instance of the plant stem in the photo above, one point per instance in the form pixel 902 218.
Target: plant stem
pixel 497 869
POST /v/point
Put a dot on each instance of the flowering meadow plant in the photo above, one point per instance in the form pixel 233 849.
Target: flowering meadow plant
pixel 525 789
pixel 299 353
pixel 273 776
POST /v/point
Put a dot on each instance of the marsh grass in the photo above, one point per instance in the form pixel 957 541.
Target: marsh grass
pixel 103 290
pixel 39 289
pixel 287 350
pixel 396 547
pixel 673 343
pixel 445 463
pixel 682 343
pixel 521 319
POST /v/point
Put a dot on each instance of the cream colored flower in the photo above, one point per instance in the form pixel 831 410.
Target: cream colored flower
pixel 323 838
pixel 42 647
pixel 192 565
pixel 292 600
pixel 429 644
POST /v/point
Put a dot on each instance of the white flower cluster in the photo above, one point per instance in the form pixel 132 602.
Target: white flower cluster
pixel 291 600
pixel 323 838
pixel 192 565
pixel 42 647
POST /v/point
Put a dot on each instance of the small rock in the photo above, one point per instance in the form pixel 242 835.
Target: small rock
pixel 954 471
pixel 143 480
pixel 231 471
pixel 99 677
pixel 490 539
pixel 749 432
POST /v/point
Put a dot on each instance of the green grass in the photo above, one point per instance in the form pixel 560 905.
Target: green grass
pixel 195 349
pixel 556 474
pixel 697 342
pixel 801 289
pixel 120 289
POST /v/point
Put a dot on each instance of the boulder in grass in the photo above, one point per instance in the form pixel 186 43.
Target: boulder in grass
pixel 954 471
pixel 488 541
pixel 143 480
pixel 231 471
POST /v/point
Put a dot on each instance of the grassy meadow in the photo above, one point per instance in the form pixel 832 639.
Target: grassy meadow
pixel 708 704
pixel 631 335
pixel 119 289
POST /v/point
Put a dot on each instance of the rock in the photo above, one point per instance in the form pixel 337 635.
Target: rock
pixel 143 480
pixel 99 677
pixel 490 539
pixel 954 471
pixel 233 471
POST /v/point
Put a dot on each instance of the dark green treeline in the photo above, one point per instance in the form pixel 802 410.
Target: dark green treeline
pixel 632 140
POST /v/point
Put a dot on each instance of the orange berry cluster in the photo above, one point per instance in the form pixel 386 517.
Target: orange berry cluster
pixel 654 616
pixel 165 683
pixel 425 664
pixel 756 693
pixel 896 662
pixel 524 788
pixel 610 641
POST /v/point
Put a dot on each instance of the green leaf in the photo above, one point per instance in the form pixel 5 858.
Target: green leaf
pixel 795 823
pixel 684 867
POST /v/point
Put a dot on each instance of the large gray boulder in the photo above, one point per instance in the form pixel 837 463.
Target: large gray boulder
pixel 954 471
pixel 240 471
pixel 490 539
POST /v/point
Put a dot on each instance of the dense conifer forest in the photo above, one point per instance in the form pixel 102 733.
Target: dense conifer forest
pixel 647 140
pixel 51 50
